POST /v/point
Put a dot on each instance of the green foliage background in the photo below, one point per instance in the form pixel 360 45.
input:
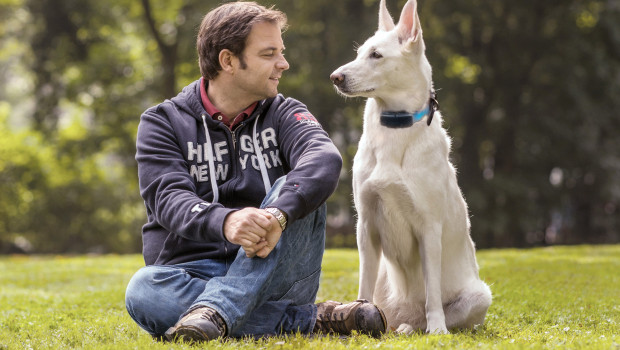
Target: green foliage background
pixel 528 90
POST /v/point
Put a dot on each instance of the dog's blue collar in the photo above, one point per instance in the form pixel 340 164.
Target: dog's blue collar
pixel 397 120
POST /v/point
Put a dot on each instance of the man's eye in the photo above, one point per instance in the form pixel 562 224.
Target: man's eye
pixel 375 55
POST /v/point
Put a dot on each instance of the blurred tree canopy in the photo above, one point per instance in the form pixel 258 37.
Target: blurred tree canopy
pixel 528 91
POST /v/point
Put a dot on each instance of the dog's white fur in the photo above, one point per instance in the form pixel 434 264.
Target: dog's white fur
pixel 417 260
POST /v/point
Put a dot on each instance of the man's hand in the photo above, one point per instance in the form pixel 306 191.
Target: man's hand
pixel 248 228
pixel 256 230
pixel 272 237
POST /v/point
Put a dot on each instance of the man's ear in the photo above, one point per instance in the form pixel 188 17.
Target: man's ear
pixel 226 58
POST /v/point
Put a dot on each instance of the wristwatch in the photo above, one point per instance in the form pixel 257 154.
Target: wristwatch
pixel 279 216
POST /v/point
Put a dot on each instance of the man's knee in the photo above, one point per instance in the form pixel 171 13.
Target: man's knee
pixel 137 295
pixel 149 302
pixel 313 225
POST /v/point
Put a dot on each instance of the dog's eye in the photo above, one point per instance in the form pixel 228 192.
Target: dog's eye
pixel 375 55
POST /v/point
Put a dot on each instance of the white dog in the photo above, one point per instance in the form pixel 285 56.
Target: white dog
pixel 417 260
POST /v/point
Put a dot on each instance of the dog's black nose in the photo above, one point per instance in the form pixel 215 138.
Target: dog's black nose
pixel 337 78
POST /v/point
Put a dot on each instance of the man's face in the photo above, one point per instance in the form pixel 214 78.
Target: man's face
pixel 264 62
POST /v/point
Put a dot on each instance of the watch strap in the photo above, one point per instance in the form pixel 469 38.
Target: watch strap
pixel 278 215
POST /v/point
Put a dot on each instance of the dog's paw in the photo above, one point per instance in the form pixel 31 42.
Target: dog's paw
pixel 404 329
pixel 436 323
pixel 437 329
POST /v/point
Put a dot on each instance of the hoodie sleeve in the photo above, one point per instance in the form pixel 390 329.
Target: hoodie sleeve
pixel 314 160
pixel 166 186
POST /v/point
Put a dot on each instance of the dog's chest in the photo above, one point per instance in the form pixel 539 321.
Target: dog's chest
pixel 390 153
pixel 383 166
pixel 402 169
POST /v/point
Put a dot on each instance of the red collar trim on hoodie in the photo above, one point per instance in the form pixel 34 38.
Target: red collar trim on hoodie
pixel 217 115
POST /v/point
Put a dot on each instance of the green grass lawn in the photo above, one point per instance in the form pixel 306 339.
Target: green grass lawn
pixel 559 297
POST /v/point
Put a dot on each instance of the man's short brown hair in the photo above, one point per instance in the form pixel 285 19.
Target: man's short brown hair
pixel 228 27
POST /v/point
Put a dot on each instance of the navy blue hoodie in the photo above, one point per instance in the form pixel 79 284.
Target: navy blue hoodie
pixel 178 162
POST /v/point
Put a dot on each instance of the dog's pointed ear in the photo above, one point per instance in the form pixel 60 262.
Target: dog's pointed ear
pixel 409 28
pixel 386 23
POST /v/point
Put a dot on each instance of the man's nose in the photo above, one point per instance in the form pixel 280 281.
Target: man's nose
pixel 282 63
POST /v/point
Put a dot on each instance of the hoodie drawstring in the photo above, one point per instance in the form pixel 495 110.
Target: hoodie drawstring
pixel 257 151
pixel 216 193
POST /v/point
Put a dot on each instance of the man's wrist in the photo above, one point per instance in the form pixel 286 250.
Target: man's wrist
pixel 279 215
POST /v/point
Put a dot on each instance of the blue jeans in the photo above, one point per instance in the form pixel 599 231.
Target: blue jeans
pixel 254 296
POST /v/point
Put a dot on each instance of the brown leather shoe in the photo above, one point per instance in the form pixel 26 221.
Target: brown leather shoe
pixel 361 316
pixel 200 324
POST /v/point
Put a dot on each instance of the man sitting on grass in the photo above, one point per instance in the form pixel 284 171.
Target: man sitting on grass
pixel 235 177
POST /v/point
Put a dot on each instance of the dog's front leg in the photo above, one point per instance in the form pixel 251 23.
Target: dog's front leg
pixel 369 245
pixel 430 252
